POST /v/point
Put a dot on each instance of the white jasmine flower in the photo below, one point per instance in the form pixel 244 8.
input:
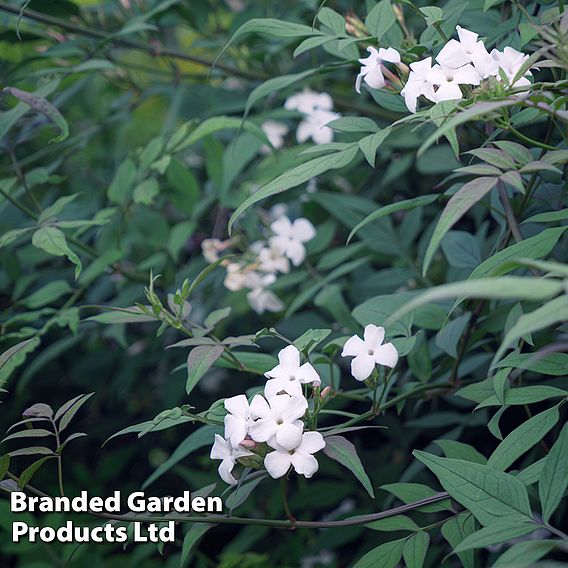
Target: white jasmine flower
pixel 419 83
pixel 448 81
pixel 211 249
pixel 314 127
pixel 237 421
pixel 275 132
pixel 301 457
pixel 369 351
pixel 271 259
pixel 182 311
pixel 290 237
pixel 236 278
pixel 278 420
pixel 289 375
pixel 222 450
pixel 371 71
pixel 510 61
pixel 260 299
pixel 307 101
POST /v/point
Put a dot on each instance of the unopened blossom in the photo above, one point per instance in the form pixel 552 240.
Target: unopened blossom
pixel 237 420
pixel 275 132
pixel 224 451
pixel 301 457
pixel 419 83
pixel 289 376
pixel 260 298
pixel 510 61
pixel 271 259
pixel 278 420
pixel 314 127
pixel 290 237
pixel 469 49
pixel 369 351
pixel 448 81
pixel 307 101
pixel 372 67
pixel 237 277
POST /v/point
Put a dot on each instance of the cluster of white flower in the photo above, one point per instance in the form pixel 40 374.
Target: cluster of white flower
pixel 272 422
pixel 460 62
pixel 259 266
pixel 272 425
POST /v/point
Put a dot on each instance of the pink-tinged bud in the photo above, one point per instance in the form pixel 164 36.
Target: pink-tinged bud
pixel 325 392
pixel 248 444
pixel 355 26
pixel 316 384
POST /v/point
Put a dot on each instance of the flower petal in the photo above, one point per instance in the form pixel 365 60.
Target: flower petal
pixel 221 449
pixel 362 366
pixel 289 436
pixel 353 347
pixel 453 55
pixel 259 407
pixel 307 374
pixel 296 252
pixel 289 358
pixel 262 430
pixel 295 409
pixel 225 469
pixel 312 442
pixel 277 463
pixel 390 54
pixel 274 386
pixel 387 355
pixel 303 230
pixel 235 429
pixel 373 335
pixel 375 79
pixel 237 405
pixel 304 464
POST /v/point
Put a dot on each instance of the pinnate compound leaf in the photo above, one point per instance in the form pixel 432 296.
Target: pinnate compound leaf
pixel 345 453
pixel 492 496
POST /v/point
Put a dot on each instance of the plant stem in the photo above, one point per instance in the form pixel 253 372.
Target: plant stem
pixel 284 493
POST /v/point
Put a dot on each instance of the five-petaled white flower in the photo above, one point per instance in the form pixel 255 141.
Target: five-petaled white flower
pixel 275 132
pixel 236 278
pixel 371 71
pixel 224 451
pixel 278 419
pixel 419 83
pixel 307 101
pixel 271 259
pixel 290 237
pixel 301 457
pixel 314 127
pixel 289 376
pixel 369 351
pixel 510 62
pixel 237 420
pixel 448 81
pixel 260 298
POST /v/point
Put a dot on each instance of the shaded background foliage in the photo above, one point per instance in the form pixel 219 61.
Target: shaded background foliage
pixel 125 75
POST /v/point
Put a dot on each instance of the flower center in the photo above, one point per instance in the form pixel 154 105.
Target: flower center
pixel 279 421
pixel 371 352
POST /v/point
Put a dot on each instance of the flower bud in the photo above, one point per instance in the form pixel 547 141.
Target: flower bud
pixel 248 444
pixel 325 392
pixel 355 26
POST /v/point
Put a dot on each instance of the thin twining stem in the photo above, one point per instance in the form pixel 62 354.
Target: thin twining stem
pixel 275 523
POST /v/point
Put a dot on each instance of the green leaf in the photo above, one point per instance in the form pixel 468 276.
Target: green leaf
pixel 554 477
pixel 216 316
pixel 517 396
pixel 370 144
pixel 392 208
pixel 469 194
pixel 42 105
pixel 548 217
pixel 379 309
pixel 29 472
pixel 269 27
pixel 311 43
pixel 455 531
pixel 392 524
pixel 524 554
pixel 54 209
pixel 29 433
pixel 415 549
pixel 495 534
pixel 310 339
pixel 380 19
pixel 353 124
pixel 145 191
pixel 386 555
pixel 551 313
pixel 554 364
pixel 505 287
pixel 492 496
pixel 123 315
pixel 52 241
pixel 68 411
pixel 199 361
pixel 344 452
pixel 4 466
pixel 459 450
pixel 14 357
pixel 191 538
pixel 47 294
pixel 296 176
pixel 410 492
pixel 523 438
